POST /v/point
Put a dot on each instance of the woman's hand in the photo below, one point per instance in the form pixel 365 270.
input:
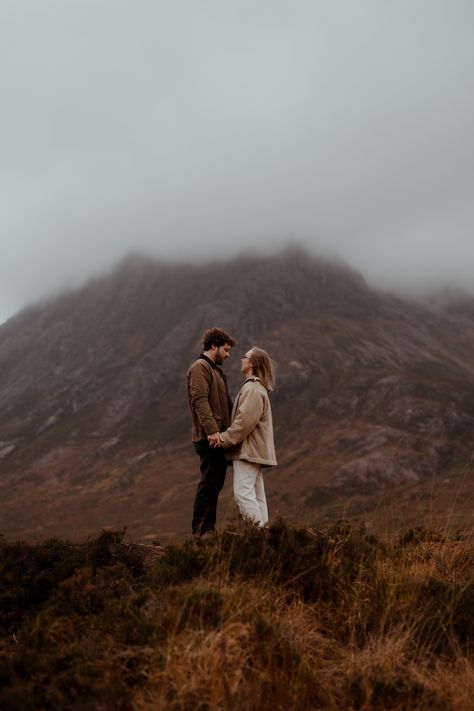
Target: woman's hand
pixel 214 440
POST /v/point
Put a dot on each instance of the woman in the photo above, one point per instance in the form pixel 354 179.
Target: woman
pixel 249 439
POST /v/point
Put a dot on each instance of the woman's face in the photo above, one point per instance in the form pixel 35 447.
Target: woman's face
pixel 246 364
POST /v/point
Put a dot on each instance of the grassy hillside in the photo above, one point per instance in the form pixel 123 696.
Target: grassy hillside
pixel 288 618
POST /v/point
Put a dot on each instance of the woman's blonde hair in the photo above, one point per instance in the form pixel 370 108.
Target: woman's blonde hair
pixel 263 367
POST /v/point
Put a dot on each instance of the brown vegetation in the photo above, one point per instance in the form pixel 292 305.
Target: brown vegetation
pixel 286 618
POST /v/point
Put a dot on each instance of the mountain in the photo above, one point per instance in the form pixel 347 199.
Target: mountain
pixel 373 411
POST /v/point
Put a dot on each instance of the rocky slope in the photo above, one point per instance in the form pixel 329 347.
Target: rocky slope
pixel 375 395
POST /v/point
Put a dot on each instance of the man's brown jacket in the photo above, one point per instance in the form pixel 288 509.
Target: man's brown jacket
pixel 208 398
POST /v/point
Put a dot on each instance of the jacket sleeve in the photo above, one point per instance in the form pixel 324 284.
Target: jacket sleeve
pixel 247 416
pixel 199 389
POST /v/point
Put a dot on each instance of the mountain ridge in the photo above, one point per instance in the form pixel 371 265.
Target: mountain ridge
pixel 374 391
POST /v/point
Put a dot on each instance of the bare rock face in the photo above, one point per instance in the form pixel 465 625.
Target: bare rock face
pixel 373 391
pixel 374 471
pixel 6 449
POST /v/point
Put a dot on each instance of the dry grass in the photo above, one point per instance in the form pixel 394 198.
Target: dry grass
pixel 288 618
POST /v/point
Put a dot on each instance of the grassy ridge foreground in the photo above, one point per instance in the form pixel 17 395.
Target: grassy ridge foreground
pixel 286 618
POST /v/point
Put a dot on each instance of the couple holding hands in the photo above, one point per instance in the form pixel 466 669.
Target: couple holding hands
pixel 241 434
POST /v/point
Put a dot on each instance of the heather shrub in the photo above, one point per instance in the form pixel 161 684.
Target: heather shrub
pixel 443 616
pixel 463 617
pixel 432 616
pixel 313 563
pixel 183 563
pixel 420 534
pixel 30 574
pixel 107 549
pixel 380 689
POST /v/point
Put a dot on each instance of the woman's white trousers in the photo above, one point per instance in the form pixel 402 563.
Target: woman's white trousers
pixel 249 491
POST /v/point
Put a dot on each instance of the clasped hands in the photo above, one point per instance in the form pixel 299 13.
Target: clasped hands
pixel 214 440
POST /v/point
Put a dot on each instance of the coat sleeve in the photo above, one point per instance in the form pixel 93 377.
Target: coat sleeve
pixel 247 416
pixel 199 389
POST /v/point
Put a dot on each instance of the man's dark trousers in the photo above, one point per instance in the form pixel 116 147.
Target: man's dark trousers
pixel 213 469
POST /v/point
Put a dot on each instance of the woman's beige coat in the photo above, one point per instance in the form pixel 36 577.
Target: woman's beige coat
pixel 250 436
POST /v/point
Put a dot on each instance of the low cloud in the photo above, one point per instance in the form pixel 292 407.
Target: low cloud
pixel 203 130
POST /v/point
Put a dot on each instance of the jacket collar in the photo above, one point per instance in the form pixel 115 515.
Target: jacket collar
pixel 211 362
pixel 213 365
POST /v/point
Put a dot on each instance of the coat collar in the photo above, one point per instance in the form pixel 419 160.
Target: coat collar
pixel 213 365
pixel 211 362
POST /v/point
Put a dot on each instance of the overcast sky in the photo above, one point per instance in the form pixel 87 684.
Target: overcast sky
pixel 205 127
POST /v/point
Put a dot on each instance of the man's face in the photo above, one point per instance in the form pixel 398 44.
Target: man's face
pixel 222 353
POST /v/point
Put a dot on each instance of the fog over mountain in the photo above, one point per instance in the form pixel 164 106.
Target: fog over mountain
pixel 202 130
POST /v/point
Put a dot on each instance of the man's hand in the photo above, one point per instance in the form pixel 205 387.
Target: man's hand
pixel 214 440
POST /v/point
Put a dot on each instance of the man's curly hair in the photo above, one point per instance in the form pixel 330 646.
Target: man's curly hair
pixel 216 337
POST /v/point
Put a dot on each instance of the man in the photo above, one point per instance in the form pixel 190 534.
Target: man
pixel 211 408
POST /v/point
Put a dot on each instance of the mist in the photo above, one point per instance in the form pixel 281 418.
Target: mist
pixel 204 130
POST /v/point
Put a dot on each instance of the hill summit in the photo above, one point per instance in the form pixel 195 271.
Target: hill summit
pixel 375 394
